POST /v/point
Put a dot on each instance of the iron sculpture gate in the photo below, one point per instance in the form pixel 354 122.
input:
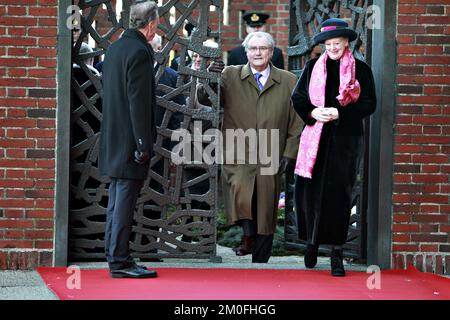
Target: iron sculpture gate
pixel 305 17
pixel 170 205
pixel 176 210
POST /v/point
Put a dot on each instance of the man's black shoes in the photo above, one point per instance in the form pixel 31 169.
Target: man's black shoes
pixel 133 272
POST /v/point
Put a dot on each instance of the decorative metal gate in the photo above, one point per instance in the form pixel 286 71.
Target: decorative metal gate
pixel 176 210
pixel 306 16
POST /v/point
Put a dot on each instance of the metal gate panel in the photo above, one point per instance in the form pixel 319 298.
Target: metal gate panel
pixel 305 18
pixel 169 206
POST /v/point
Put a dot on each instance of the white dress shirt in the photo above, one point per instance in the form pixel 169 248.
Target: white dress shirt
pixel 264 74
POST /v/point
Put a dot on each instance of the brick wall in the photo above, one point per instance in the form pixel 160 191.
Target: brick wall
pixel 422 141
pixel 27 131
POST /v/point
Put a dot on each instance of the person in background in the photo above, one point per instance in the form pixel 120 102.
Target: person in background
pixel 196 63
pixel 86 99
pixel 254 22
pixel 333 95
pixel 192 172
pixel 89 62
pixel 176 61
pixel 167 78
pixel 127 132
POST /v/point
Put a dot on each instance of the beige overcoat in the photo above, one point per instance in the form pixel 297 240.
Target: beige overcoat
pixel 245 107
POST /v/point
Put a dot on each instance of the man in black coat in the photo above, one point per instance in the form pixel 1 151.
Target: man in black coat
pixel 127 132
pixel 255 22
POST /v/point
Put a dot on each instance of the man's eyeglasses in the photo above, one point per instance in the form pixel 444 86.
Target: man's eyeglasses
pixel 262 49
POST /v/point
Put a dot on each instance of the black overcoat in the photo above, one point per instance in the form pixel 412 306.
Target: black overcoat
pixel 238 56
pixel 128 102
pixel 323 203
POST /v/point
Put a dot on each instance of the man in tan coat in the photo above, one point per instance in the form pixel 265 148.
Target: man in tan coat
pixel 257 105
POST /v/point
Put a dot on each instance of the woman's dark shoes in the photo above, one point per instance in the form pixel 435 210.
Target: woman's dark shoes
pixel 337 263
pixel 133 272
pixel 311 255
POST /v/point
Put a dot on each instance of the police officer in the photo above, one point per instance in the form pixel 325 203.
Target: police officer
pixel 255 22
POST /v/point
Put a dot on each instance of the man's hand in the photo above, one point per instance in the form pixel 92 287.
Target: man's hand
pixel 216 66
pixel 141 157
pixel 284 163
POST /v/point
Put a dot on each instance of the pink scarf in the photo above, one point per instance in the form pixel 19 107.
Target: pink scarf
pixel 349 91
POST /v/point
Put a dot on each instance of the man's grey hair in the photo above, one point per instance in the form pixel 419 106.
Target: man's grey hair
pixel 258 34
pixel 142 12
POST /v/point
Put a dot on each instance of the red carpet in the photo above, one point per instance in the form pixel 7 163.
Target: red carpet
pixel 247 284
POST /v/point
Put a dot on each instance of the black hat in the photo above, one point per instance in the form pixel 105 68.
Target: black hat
pixel 334 28
pixel 189 27
pixel 255 19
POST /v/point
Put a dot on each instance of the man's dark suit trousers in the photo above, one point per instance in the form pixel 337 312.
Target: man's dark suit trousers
pixel 123 194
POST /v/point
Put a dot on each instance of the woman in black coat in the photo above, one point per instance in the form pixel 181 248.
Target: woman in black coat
pixel 333 95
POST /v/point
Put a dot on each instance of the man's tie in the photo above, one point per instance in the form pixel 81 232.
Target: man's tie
pixel 257 76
